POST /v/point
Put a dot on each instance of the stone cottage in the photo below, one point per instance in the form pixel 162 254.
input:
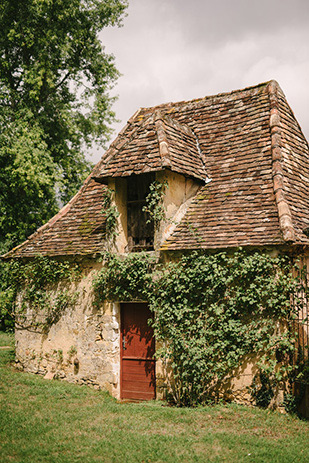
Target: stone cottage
pixel 237 170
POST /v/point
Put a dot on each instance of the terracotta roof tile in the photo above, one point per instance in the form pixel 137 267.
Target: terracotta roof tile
pixel 159 142
pixel 78 229
pixel 295 156
pixel 247 157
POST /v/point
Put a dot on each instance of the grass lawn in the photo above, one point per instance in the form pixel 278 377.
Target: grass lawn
pixel 6 339
pixel 53 421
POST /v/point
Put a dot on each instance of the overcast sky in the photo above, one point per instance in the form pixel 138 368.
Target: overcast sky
pixel 172 50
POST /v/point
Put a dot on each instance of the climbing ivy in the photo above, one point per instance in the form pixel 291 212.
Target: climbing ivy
pixel 154 203
pixel 39 285
pixel 211 312
pixel 124 279
pixel 111 214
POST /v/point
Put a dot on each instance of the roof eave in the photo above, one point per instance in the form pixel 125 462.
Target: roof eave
pixel 104 179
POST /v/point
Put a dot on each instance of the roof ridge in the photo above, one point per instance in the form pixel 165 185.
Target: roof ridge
pixel 207 97
pixel 162 140
pixel 284 211
pixel 170 120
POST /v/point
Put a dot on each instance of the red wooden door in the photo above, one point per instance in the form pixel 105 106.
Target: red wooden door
pixel 137 353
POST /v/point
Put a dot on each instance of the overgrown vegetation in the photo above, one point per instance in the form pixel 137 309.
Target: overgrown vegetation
pixel 129 279
pixel 299 379
pixel 111 214
pixel 154 203
pixel 48 421
pixel 43 295
pixel 211 312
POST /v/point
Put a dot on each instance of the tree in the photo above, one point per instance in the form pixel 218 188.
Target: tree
pixel 54 82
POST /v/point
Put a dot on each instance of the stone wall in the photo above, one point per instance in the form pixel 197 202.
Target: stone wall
pixel 301 390
pixel 82 347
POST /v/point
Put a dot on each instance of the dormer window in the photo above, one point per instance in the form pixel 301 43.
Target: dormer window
pixel 140 230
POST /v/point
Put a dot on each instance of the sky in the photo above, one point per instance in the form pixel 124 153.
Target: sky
pixel 174 50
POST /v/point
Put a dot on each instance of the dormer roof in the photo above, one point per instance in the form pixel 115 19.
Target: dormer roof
pixel 157 143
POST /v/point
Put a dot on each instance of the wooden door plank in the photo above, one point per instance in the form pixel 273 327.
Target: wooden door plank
pixel 137 357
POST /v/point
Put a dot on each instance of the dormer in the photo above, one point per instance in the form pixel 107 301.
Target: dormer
pixel 159 149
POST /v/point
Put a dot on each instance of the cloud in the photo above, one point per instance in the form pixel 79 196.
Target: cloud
pixel 218 20
pixel 172 50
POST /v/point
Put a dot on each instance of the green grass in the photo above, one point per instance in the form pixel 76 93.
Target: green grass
pixel 56 422
pixel 6 339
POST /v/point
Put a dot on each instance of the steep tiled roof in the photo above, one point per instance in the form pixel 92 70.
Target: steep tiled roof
pixel 158 142
pixel 295 164
pixel 78 229
pixel 247 142
pixel 258 160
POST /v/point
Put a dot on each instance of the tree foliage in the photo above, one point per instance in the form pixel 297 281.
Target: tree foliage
pixel 54 82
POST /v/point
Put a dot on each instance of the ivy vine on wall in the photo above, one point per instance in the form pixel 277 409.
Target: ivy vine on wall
pixel 41 285
pixel 124 279
pixel 211 311
pixel 111 214
pixel 154 202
